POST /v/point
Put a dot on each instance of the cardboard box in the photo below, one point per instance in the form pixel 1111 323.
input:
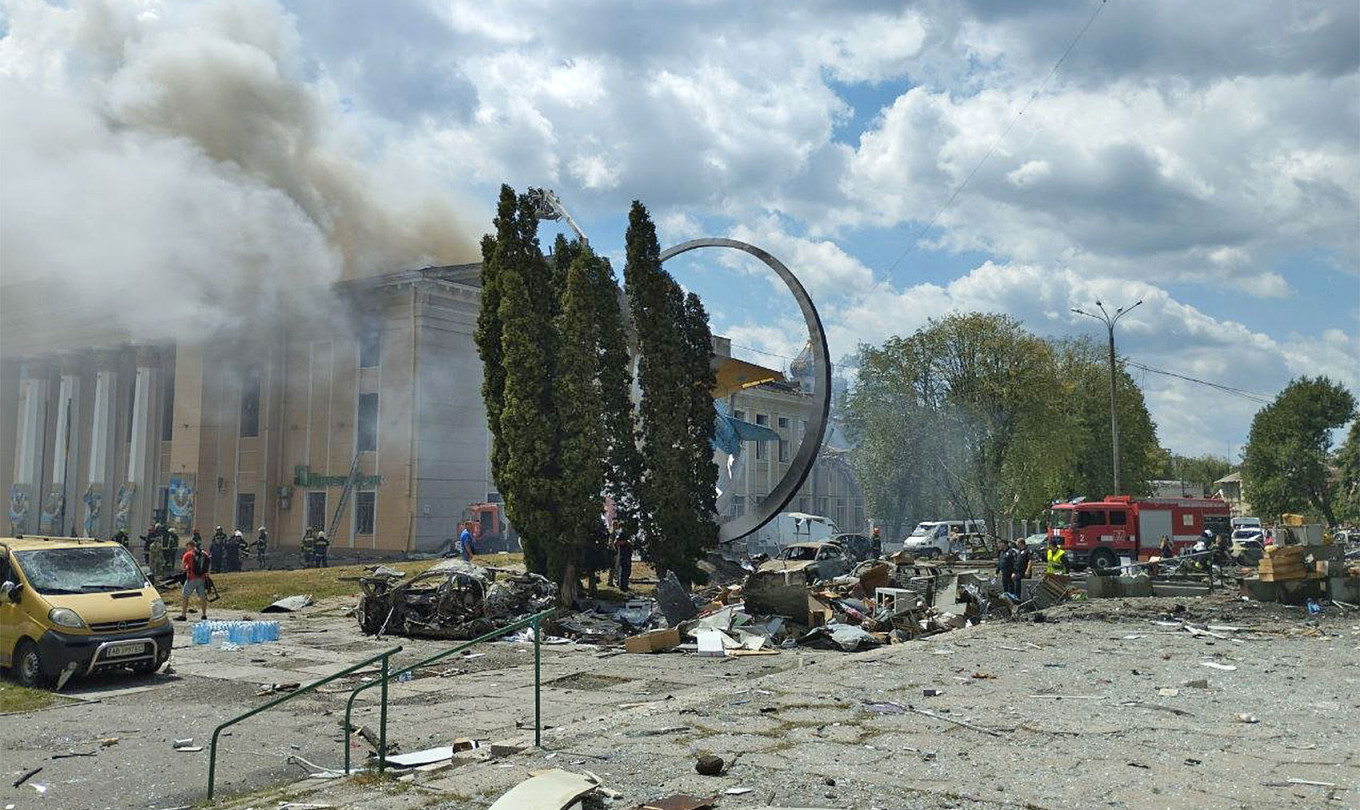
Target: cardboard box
pixel 653 641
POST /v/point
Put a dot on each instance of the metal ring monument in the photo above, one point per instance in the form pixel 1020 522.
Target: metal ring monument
pixel 806 456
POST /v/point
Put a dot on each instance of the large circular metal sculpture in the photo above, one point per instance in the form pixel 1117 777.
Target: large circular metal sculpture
pixel 806 456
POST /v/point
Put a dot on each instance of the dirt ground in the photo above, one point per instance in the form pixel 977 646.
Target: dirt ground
pixel 1107 704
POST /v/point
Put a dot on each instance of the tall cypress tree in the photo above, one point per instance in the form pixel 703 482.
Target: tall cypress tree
pixel 623 462
pixel 702 477
pixel 665 370
pixel 530 473
pixel 489 327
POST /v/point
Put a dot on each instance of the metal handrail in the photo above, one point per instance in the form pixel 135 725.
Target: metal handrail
pixel 533 620
pixel 383 656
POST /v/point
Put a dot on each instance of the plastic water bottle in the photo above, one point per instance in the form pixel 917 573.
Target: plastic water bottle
pixel 202 633
pixel 273 631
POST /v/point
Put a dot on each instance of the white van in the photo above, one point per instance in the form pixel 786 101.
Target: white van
pixel 932 537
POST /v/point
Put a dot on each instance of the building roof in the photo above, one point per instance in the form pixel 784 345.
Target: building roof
pixel 1230 478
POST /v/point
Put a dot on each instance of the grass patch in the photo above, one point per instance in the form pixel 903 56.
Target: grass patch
pixel 255 590
pixel 16 698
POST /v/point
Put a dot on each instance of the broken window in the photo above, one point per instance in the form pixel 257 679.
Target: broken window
pixel 250 405
pixel 80 569
pixel 365 504
pixel 368 422
pixel 370 349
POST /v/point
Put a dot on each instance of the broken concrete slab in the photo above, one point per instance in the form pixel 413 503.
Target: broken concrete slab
pixel 550 790
pixel 676 604
pixel 288 604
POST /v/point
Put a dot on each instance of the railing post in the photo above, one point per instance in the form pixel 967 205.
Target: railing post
pixel 382 722
pixel 538 717
pixel 212 765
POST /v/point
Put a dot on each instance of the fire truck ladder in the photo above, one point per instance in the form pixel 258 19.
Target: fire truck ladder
pixel 344 495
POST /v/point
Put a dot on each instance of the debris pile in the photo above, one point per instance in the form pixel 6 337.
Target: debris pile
pixel 453 600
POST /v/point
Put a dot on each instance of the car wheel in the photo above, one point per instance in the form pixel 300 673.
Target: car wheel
pixel 145 669
pixel 28 665
pixel 1103 561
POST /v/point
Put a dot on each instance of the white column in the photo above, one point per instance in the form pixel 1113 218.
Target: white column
pixel 61 462
pixel 143 391
pixel 24 506
pixel 101 447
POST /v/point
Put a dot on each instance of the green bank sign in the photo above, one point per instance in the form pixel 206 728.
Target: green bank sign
pixel 304 477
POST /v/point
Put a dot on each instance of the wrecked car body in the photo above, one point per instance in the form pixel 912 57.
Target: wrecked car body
pixel 818 560
pixel 453 600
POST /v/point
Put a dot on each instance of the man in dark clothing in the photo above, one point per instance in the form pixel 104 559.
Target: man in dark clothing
pixel 216 552
pixel 121 538
pixel 319 549
pixel 1022 563
pixel 623 551
pixel 147 540
pixel 233 555
pixel 1006 566
pixel 262 547
pixel 170 553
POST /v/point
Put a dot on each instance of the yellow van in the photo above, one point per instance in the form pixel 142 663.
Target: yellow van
pixel 80 605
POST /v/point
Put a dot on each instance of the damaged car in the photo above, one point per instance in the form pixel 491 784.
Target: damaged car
pixel 453 600
pixel 819 560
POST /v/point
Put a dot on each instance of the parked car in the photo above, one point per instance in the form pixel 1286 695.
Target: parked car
pixel 820 560
pixel 79 605
pixel 860 547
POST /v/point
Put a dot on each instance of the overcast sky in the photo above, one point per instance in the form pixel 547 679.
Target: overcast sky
pixel 1203 157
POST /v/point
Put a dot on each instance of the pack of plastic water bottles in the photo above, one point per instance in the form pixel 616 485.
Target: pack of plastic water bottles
pixel 236 634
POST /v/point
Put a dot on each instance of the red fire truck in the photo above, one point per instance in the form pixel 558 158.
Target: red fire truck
pixel 1098 533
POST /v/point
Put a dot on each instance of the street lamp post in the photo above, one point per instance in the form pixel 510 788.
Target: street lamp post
pixel 1109 321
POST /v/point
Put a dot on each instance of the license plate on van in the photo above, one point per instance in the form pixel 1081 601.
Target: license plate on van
pixel 120 650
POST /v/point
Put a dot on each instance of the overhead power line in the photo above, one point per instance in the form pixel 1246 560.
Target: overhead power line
pixel 1255 397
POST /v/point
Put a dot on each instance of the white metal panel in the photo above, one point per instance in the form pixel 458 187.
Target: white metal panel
pixel 1152 524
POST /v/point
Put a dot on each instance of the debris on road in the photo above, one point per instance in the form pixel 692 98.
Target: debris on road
pixel 549 790
pixel 288 604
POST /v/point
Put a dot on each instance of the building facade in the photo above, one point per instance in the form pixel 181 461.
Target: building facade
pixel 367 423
pixel 831 490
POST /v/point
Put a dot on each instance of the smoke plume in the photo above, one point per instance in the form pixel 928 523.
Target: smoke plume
pixel 174 171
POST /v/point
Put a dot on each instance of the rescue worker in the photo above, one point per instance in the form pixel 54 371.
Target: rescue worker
pixel 121 538
pixel 155 559
pixel 170 553
pixel 147 539
pixel 262 547
pixel 1005 566
pixel 321 546
pixel 1166 551
pixel 308 547
pixel 877 539
pixel 465 547
pixel 623 550
pixel 233 556
pixel 1055 558
pixel 217 551
pixel 1023 561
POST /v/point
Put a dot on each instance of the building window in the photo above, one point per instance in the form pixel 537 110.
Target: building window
pixel 368 422
pixel 245 511
pixel 783 450
pixel 783 423
pixel 763 421
pixel 316 511
pixel 370 349
pixel 738 505
pixel 168 408
pixel 740 416
pixel 365 504
pixel 250 405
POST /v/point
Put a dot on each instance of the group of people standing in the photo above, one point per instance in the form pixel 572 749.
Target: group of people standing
pixel 162 553
pixel 1017 562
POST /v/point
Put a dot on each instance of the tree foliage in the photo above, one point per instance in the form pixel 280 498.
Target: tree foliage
pixel 1348 476
pixel 676 485
pixel 1199 470
pixel 972 416
pixel 1285 466
pixel 557 384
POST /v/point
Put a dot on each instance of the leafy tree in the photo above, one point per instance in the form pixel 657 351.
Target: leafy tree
pixel 1285 464
pixel 623 463
pixel 701 479
pixel 581 418
pixel 1083 381
pixel 1200 470
pixel 489 327
pixel 1348 476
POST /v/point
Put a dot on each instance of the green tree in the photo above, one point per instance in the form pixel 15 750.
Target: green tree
pixel 529 475
pixel 1285 464
pixel 665 411
pixel 488 332
pixel 1348 476
pixel 1082 379
pixel 701 478
pixel 1199 470
pixel 623 462
pixel 580 416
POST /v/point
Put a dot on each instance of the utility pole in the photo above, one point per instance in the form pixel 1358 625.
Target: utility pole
pixel 1109 321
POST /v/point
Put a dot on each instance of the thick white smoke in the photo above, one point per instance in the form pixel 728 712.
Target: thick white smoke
pixel 172 170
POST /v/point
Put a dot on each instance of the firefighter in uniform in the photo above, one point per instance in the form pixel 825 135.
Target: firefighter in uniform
pixel 319 549
pixel 262 547
pixel 169 551
pixel 308 547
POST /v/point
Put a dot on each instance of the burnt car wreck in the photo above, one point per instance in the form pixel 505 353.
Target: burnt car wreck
pixel 453 600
